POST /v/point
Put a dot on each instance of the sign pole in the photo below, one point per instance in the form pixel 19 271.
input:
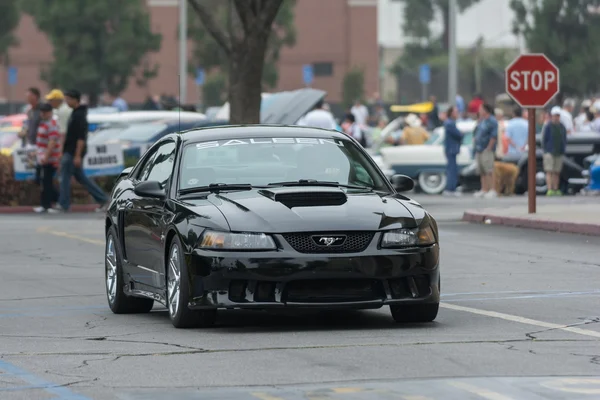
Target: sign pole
pixel 531 163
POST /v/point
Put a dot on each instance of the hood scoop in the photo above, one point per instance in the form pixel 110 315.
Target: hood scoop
pixel 306 196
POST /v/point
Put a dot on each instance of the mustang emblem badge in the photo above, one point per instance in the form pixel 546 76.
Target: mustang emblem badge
pixel 328 241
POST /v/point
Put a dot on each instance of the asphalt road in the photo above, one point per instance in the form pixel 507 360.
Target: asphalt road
pixel 520 320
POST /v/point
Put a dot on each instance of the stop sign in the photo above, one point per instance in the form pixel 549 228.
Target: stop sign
pixel 532 80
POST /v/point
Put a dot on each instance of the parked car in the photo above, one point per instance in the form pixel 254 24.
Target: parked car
pixel 128 117
pixel 426 163
pixel 138 136
pixel 13 120
pixel 9 140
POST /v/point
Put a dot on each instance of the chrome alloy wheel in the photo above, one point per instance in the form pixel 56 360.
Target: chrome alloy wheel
pixel 174 281
pixel 111 270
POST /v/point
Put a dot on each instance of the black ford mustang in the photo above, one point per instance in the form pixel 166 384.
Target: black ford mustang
pixel 267 217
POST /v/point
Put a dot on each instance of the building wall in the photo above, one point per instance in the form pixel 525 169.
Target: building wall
pixel 340 32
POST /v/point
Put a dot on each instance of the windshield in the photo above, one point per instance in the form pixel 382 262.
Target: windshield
pixel 142 132
pixel 262 161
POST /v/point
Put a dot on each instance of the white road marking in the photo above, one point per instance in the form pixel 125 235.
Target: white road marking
pixel 522 320
pixel 481 392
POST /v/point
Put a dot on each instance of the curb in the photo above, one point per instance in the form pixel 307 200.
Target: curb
pixel 75 208
pixel 540 224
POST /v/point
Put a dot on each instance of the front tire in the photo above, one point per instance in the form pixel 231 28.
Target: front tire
pixel 415 312
pixel 178 292
pixel 118 301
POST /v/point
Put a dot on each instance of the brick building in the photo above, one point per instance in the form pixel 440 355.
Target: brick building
pixel 333 35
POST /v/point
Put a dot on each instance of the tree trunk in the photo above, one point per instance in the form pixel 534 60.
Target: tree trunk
pixel 245 76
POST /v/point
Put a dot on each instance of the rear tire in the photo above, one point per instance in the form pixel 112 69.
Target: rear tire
pixel 432 182
pixel 178 292
pixel 415 312
pixel 118 301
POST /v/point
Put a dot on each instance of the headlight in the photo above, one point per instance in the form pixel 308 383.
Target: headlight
pixel 422 236
pixel 212 240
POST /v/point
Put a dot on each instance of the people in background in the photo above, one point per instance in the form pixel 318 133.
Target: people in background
pixel 452 142
pixel 120 103
pixel 517 130
pixel 62 111
pixel 499 114
pixel 74 150
pixel 461 107
pixel 29 132
pixel 354 129
pixel 474 105
pixel 433 118
pixel 361 112
pixel 48 141
pixel 554 143
pixel 566 115
pixel 413 133
pixel 319 117
pixel 581 121
pixel 486 137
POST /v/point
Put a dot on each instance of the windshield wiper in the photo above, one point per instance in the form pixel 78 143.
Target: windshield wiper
pixel 216 187
pixel 314 182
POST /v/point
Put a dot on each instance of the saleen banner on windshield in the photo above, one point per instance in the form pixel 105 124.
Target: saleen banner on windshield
pixel 263 141
pixel 102 160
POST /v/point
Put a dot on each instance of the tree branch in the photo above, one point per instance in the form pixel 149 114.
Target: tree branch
pixel 268 12
pixel 244 10
pixel 211 25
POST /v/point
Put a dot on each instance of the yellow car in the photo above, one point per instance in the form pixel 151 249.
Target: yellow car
pixel 9 140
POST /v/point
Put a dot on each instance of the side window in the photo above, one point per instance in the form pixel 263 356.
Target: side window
pixel 468 138
pixel 361 175
pixel 161 166
pixel 145 170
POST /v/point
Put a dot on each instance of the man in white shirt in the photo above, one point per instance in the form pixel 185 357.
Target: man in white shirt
pixel 62 112
pixel 581 121
pixel 361 113
pixel 319 118
pixel 566 115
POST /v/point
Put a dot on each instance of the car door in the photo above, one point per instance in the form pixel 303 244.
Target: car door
pixel 143 220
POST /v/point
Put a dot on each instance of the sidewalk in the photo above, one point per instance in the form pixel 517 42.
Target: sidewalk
pixel 75 208
pixel 571 218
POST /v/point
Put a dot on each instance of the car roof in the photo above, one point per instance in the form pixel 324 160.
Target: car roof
pixel 256 131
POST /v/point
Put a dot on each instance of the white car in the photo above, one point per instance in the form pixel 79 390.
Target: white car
pixel 426 163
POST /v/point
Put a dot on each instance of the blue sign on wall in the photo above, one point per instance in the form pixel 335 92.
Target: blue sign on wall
pixel 307 74
pixel 424 74
pixel 12 76
pixel 200 76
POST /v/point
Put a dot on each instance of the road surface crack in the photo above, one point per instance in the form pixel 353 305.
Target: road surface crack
pixel 586 321
pixel 91 324
pixel 594 359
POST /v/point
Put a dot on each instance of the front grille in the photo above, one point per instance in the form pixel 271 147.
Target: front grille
pixel 333 290
pixel 355 242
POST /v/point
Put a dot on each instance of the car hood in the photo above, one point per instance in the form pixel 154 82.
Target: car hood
pixel 288 107
pixel 251 211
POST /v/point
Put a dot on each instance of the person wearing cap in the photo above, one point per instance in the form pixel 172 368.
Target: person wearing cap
pixel 48 156
pixel 554 144
pixel 413 133
pixel 62 111
pixel 74 149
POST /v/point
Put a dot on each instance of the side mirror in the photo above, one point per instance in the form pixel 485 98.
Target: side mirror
pixel 402 183
pixel 152 189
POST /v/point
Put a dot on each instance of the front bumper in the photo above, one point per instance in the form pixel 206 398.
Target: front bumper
pixel 288 279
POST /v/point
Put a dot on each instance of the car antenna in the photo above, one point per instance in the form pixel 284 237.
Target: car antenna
pixel 179 108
